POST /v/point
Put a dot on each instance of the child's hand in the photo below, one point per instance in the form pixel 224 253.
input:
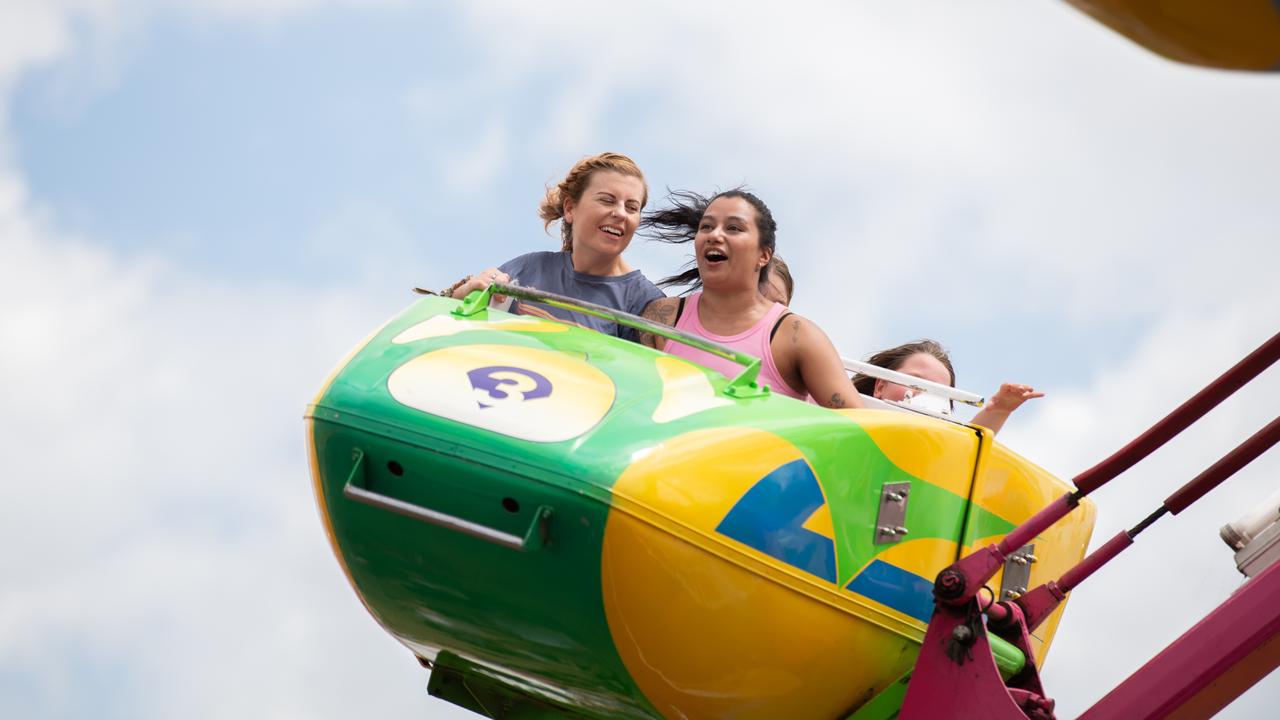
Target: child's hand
pixel 1010 397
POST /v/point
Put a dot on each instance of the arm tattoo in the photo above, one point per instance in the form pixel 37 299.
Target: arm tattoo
pixel 795 331
pixel 659 311
pixel 837 401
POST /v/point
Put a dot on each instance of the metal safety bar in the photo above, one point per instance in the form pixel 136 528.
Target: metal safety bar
pixel 742 386
pixel 913 382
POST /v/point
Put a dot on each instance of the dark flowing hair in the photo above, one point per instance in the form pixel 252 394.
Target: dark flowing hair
pixel 894 357
pixel 678 223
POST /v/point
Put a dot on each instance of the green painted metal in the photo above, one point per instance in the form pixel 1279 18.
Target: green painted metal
pixel 538 616
pixel 534 538
pixel 1009 659
pixel 742 386
pixel 466 685
pixel 888 702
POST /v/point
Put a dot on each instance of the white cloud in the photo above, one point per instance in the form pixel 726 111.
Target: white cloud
pixel 1178 570
pixel 157 474
pixel 171 560
pixel 1097 179
pixel 1045 164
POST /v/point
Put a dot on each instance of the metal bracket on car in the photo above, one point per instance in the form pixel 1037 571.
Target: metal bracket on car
pixel 475 302
pixel 893 513
pixel 745 385
pixel 1017 572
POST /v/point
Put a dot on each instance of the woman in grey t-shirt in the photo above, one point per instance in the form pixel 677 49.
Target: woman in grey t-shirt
pixel 598 205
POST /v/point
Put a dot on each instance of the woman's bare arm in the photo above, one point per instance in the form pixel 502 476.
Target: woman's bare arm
pixel 802 351
pixel 662 311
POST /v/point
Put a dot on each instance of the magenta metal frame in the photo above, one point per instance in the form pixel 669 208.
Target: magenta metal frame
pixel 1213 663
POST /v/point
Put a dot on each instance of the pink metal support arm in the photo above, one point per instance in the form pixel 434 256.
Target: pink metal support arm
pixel 955 675
pixel 1224 468
pixel 1039 602
pixel 1178 420
pixel 1214 662
pixel 957 584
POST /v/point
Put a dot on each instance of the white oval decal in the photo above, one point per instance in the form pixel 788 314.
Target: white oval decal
pixel 527 393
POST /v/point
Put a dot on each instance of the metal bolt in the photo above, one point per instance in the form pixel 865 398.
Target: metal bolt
pixel 890 530
pixel 950 584
pixel 894 496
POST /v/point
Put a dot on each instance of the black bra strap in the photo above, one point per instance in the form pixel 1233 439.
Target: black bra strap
pixel 778 324
pixel 679 311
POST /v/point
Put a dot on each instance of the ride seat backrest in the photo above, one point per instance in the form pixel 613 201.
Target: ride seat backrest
pixel 878 404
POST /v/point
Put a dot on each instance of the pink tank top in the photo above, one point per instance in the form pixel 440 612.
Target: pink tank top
pixel 754 341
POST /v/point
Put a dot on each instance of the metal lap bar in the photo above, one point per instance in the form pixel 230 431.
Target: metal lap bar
pixel 913 382
pixel 534 538
pixel 742 386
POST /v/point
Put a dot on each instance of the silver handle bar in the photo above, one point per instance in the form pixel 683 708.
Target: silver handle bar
pixel 478 300
pixel 913 382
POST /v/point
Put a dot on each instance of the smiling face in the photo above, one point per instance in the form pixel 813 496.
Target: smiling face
pixel 727 245
pixel 921 365
pixel 605 218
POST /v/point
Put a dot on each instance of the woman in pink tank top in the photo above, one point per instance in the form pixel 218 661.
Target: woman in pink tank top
pixel 734 236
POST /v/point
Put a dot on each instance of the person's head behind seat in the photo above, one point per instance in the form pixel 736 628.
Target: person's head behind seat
pixel 925 359
pixel 778 286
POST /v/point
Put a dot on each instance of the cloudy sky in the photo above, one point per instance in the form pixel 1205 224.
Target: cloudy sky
pixel 205 203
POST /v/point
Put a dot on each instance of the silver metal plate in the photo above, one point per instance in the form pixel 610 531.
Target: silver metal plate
pixel 1017 572
pixel 1261 552
pixel 893 513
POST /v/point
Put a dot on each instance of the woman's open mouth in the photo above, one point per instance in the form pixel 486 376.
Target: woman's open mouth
pixel 714 256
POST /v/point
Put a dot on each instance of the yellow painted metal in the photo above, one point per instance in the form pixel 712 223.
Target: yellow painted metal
pixel 443 383
pixel 313 462
pixel 685 390
pixel 702 636
pixel 708 627
pixel 1227 34
pixel 1015 488
pixel 942 453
